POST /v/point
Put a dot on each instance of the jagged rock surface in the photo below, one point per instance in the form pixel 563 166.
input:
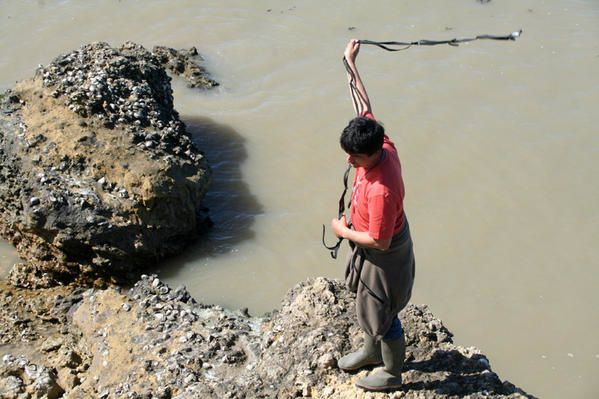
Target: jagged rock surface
pixel 153 341
pixel 19 378
pixel 97 172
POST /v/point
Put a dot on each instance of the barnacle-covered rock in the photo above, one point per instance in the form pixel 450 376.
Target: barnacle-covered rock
pixel 98 173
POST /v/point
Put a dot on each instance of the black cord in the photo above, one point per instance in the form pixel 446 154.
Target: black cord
pixel 353 89
pixel 452 42
pixel 335 248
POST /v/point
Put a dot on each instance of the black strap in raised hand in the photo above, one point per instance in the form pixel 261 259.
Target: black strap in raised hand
pixel 389 46
pixel 335 248
pixel 354 90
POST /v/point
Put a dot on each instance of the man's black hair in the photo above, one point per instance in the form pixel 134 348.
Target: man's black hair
pixel 362 136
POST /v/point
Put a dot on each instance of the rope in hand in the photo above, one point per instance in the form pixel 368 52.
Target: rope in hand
pixel 334 249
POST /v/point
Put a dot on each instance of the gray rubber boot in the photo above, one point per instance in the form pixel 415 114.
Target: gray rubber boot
pixel 389 378
pixel 369 354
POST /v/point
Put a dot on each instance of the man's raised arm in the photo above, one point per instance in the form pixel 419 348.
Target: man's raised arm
pixel 360 99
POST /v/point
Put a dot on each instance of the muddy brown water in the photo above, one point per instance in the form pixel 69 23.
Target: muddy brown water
pixel 498 142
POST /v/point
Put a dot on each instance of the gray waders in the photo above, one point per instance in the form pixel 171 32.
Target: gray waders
pixel 382 281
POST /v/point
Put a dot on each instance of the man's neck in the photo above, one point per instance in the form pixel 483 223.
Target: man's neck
pixel 377 157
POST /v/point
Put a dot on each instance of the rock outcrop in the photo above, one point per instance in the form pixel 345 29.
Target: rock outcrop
pixel 97 172
pixel 153 341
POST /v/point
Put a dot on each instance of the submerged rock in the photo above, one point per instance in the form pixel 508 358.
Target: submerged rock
pixel 97 172
pixel 184 63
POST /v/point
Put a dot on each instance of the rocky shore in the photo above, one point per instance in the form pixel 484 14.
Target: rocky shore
pixel 98 179
pixel 152 341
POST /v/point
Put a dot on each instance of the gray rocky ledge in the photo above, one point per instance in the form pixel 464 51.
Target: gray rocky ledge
pixel 152 341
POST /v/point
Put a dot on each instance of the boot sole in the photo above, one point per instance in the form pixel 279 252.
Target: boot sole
pixel 380 389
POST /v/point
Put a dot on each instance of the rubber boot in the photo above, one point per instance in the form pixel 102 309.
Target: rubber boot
pixel 389 378
pixel 369 354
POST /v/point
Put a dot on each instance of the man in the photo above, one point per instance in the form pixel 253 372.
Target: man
pixel 381 266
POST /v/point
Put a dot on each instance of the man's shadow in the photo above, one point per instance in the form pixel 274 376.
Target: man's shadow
pixel 231 206
pixel 448 372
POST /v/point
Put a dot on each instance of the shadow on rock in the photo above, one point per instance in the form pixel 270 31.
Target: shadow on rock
pixel 231 205
pixel 450 372
pixel 451 360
